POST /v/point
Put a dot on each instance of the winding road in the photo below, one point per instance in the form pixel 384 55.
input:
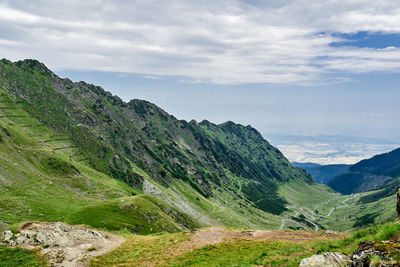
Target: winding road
pixel 311 216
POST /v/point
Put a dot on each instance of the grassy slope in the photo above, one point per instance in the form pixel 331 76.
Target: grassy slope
pixel 43 176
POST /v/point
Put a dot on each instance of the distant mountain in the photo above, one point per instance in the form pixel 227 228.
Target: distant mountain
pixel 322 174
pixel 374 173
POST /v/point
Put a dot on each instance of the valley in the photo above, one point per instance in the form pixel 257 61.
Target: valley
pixel 177 191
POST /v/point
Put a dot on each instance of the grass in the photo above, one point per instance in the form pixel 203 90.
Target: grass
pixel 20 257
pixel 245 253
pixel 143 250
pixel 375 260
pixel 140 214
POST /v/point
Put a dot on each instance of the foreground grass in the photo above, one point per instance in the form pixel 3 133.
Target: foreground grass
pixel 143 250
pixel 170 250
pixel 20 257
pixel 246 253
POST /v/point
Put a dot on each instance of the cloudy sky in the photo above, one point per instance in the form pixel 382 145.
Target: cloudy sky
pixel 289 68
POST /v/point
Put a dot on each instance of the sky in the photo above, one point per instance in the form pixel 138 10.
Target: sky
pixel 319 79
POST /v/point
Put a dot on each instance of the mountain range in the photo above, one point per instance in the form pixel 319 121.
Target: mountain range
pixel 322 174
pixel 68 134
pixel 369 174
pixel 73 152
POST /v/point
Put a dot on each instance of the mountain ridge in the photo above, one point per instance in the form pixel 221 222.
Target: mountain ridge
pixel 323 174
pixel 135 162
pixel 191 166
pixel 369 174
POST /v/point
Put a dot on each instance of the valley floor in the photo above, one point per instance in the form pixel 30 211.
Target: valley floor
pixel 318 208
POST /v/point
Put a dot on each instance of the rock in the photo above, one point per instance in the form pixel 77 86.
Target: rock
pixel 7 236
pixel 327 259
pixel 54 234
pixel 62 244
pixel 398 203
pixel 385 250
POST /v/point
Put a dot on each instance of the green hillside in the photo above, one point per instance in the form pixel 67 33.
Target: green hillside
pixel 45 177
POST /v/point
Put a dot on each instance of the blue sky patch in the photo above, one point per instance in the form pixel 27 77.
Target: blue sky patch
pixel 367 40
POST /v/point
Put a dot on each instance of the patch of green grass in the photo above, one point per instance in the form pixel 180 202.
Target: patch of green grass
pixel 375 260
pixel 141 214
pixel 148 250
pixel 245 253
pixel 387 231
pixel 20 257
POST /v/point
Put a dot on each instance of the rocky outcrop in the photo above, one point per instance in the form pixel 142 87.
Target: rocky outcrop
pixel 385 251
pixel 327 259
pixel 51 235
pixel 64 245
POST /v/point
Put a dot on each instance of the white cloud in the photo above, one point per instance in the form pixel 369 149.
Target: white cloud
pixel 227 41
pixel 332 153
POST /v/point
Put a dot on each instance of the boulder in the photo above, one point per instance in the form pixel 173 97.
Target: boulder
pixel 327 259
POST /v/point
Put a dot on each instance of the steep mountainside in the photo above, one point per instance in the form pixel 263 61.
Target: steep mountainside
pixel 217 174
pixel 374 173
pixel 322 174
